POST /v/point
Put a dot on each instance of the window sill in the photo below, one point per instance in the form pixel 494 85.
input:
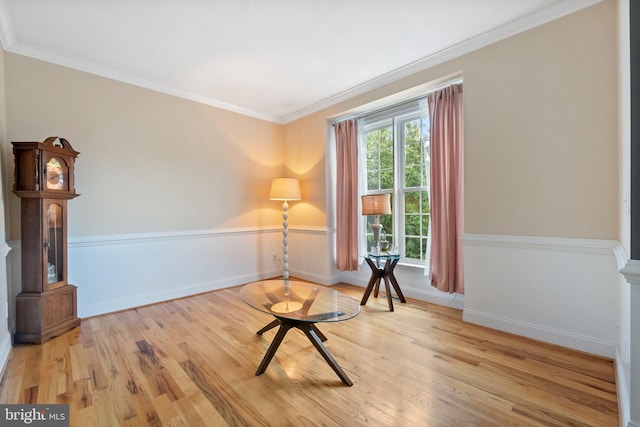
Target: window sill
pixel 411 265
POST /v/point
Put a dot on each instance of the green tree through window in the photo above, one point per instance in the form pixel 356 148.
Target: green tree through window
pixel 396 149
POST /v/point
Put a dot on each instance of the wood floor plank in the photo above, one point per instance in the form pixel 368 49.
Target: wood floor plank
pixel 192 362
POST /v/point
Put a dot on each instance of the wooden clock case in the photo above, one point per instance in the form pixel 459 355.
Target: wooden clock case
pixel 47 305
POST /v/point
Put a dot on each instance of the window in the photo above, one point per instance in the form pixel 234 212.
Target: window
pixel 395 160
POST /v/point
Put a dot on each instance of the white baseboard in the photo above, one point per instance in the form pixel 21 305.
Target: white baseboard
pixel 559 290
pixel 433 296
pixel 622 387
pixel 5 351
pixel 540 333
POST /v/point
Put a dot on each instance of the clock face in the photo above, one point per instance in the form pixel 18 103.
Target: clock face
pixel 55 174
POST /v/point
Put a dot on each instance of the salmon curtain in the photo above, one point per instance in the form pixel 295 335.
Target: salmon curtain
pixel 347 195
pixel 447 189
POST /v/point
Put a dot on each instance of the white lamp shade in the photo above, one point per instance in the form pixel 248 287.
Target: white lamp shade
pixel 285 189
pixel 376 204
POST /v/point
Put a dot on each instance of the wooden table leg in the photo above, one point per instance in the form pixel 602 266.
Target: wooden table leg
pixel 315 340
pixel 268 327
pixel 313 334
pixel 396 286
pixel 389 276
pixel 318 333
pixel 375 277
pixel 277 323
pixel 388 288
pixel 284 328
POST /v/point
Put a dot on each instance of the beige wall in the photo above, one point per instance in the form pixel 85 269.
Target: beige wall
pixel 541 146
pixel 149 162
pixel 305 158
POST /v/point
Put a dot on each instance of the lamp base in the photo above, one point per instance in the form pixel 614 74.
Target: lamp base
pixel 286 307
pixel 377 230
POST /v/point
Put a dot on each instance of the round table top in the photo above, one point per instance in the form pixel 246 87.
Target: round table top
pixel 303 301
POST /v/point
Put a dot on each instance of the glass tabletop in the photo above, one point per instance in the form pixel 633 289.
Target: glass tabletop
pixel 307 302
pixel 381 255
pixel 386 256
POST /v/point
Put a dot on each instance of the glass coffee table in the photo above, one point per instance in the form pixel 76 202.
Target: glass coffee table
pixel 299 305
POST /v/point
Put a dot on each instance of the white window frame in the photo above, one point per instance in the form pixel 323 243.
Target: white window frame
pixel 396 117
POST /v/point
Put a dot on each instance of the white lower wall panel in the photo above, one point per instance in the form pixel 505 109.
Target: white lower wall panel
pixel 5 306
pixel 309 255
pixel 562 291
pixel 119 272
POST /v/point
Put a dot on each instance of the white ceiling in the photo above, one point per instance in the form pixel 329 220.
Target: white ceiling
pixel 273 59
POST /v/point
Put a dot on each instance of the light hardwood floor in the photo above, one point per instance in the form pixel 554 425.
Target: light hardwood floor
pixel 192 362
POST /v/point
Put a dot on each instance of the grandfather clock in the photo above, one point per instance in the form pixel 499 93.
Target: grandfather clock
pixel 47 305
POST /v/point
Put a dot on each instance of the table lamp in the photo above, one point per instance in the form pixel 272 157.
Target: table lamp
pixel 376 205
pixel 285 189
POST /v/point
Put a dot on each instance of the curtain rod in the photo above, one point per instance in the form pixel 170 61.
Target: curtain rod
pixel 362 114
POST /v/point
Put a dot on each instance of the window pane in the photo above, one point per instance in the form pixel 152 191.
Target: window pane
pixel 415 153
pixel 412 225
pixel 386 179
pixel 425 224
pixel 373 182
pixel 387 224
pixel 416 223
pixel 425 201
pixel 412 247
pixel 373 140
pixel 373 160
pixel 412 202
pixel 386 138
pixel 412 131
pixel 413 176
pixel 386 159
pixel 379 158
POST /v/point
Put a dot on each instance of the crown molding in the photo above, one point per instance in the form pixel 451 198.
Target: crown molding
pixel 113 74
pixel 551 13
pixel 500 33
pixel 6 29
